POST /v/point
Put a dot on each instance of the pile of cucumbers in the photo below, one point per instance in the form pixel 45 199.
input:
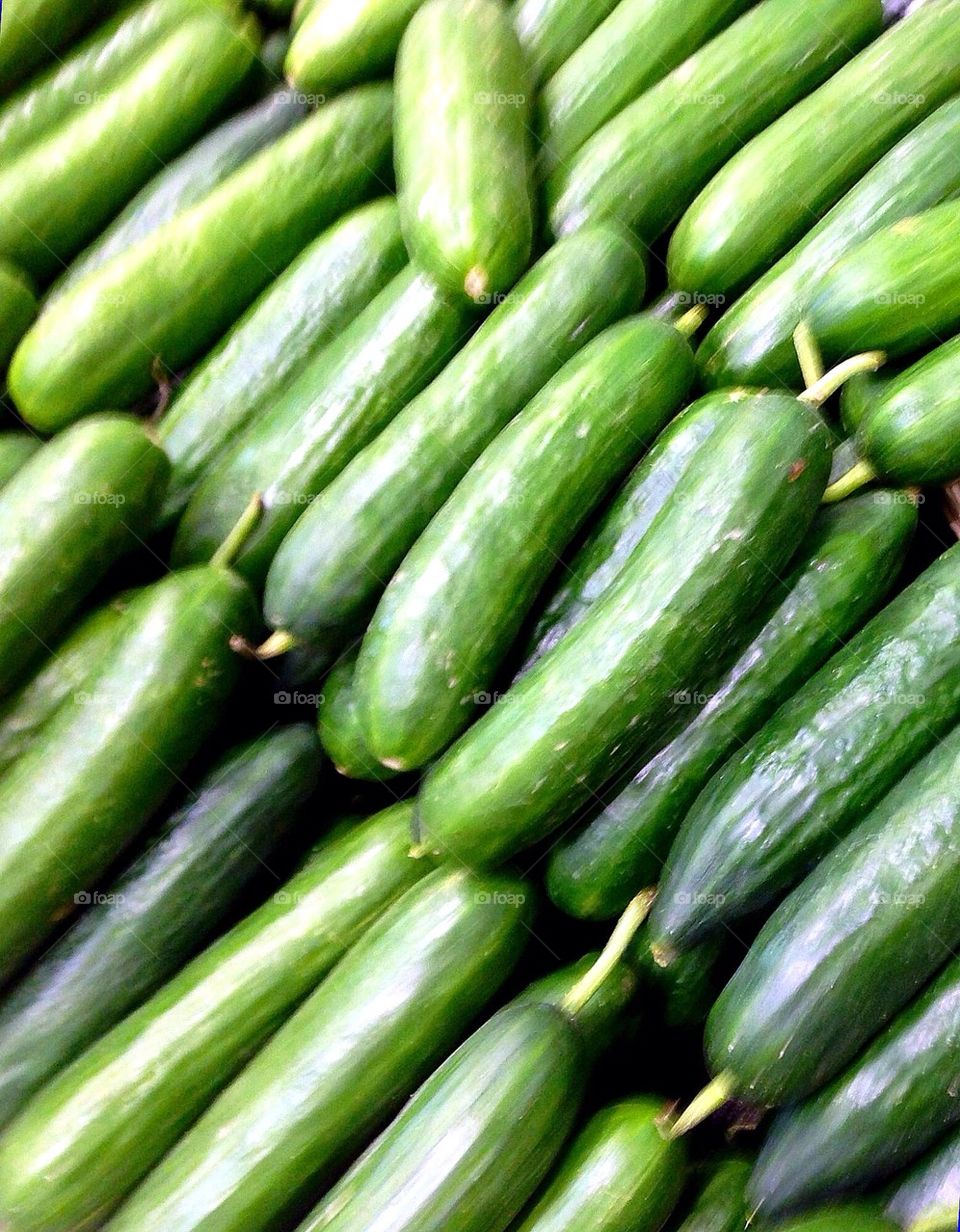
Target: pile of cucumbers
pixel 480 656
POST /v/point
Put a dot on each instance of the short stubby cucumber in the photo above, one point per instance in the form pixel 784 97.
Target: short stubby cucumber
pixel 447 620
pixel 18 307
pixel 532 760
pixel 35 30
pixel 340 729
pixel 550 31
pixel 720 1204
pixel 926 1199
pixel 16 449
pixel 332 48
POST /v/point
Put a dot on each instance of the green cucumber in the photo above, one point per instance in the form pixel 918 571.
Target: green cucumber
pixel 753 340
pixel 142 1084
pixel 841 572
pixel 630 51
pixel 16 449
pixel 850 1217
pixel 332 567
pixel 145 925
pixel 18 307
pixel 35 30
pixel 332 49
pixel 721 1202
pixel 550 31
pixel 462 147
pixel 763 200
pixel 343 1064
pixel 57 194
pixel 695 118
pixel 337 403
pixel 341 732
pixel 857 397
pixel 448 618
pixel 180 287
pixel 337 276
pixel 592 700
pixel 684 992
pixel 599 1019
pixel 829 753
pixel 67 515
pixel 928 1197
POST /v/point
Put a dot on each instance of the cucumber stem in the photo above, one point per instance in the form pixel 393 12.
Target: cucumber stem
pixel 856 477
pixel 837 377
pixel 808 354
pixel 228 551
pixel 636 912
pixel 713 1096
pixel 692 319
pixel 277 644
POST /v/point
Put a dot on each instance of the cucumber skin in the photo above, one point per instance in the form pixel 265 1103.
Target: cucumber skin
pixel 753 340
pixel 843 1218
pixel 36 29
pixel 178 289
pixel 341 733
pixel 332 567
pixel 67 515
pixel 449 616
pixel 843 569
pixel 550 31
pixel 598 1020
pixel 857 397
pixel 343 1064
pixel 827 755
pixel 18 308
pixel 337 403
pixel 58 193
pixel 16 448
pixel 761 202
pixel 175 893
pixel 328 53
pixel 337 275
pixel 930 1186
pixel 528 763
pixel 510 1092
pixel 721 1204
pixel 814 988
pixel 142 1084
pixel 619 1175
pixel 462 147
pixel 753 71
pixel 683 992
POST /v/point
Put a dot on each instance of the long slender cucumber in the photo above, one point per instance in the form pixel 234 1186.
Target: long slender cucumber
pixel 18 307
pixel 332 49
pixel 35 30
pixel 550 31
pixel 16 449
pixel 340 729
pixel 928 1197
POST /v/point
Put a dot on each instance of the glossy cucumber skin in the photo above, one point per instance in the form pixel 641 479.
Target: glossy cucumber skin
pixel 18 307
pixel 506 1098
pixel 329 52
pixel 850 1217
pixel 829 753
pixel 149 922
pixel 333 566
pixel 621 1174
pixel 16 448
pixel 721 1203
pixel 180 287
pixel 588 703
pixel 841 955
pixel 57 194
pixel 67 515
pixel 932 1186
pixel 634 48
pixel 753 340
pixel 598 1019
pixel 857 397
pixel 763 200
pixel 689 124
pixel 550 31
pixel 842 571
pixel 34 30
pixel 336 404
pixel 337 276
pixel 340 729
pixel 143 1083
pixel 447 620
pixel 462 143
pixel 343 1064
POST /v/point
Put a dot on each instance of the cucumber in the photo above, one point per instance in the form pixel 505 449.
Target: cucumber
pixel 180 287
pixel 171 900
pixel 35 30
pixel 143 1083
pixel 57 194
pixel 753 340
pixel 857 397
pixel 630 51
pixel 684 992
pixel 332 567
pixel 850 1217
pixel 332 49
pixel 67 515
pixel 341 733
pixel 589 703
pixel 550 31
pixel 16 448
pixel 343 1064
pixel 337 276
pixel 897 1098
pixel 721 1202
pixel 18 307
pixel 842 571
pixel 600 1018
pixel 829 753
pixel 455 606
pixel 462 151
pixel 691 122
pixel 928 1197
pixel 763 200
pixel 337 403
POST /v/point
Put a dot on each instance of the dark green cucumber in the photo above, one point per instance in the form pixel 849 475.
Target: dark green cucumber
pixel 842 570
pixel 753 340
pixel 67 515
pixel 341 733
pixel 688 125
pixel 636 46
pixel 16 449
pixel 684 992
pixel 337 403
pixel 168 903
pixel 431 655
pixel 332 567
pixel 180 287
pixel 829 753
pixel 550 31
pixel 18 307
pixel 763 200
pixel 35 30
pixel 896 1099
pixel 601 692
pixel 343 1064
pixel 337 276
pixel 142 1084
pixel 462 147
pixel 58 193
pixel 597 1020
pixel 721 1201
pixel 928 1198
pixel 850 1217
pixel 857 397
pixel 332 49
